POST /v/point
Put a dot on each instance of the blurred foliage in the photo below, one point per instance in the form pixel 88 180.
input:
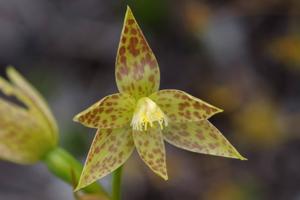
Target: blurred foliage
pixel 286 50
pixel 90 197
pixel 260 124
pixel 152 13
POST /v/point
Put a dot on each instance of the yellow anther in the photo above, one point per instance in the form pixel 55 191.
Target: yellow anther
pixel 147 112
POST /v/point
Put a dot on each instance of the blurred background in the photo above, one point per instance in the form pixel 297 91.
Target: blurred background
pixel 240 55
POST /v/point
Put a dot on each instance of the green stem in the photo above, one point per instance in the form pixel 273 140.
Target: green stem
pixel 116 184
pixel 63 165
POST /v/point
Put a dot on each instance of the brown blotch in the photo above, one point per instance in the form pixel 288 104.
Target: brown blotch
pixel 113 117
pixel 132 46
pixel 213 135
pixel 81 118
pixel 97 150
pixel 212 146
pixel 176 95
pixel 111 148
pixel 113 138
pixel 109 110
pixel 150 155
pixel 138 71
pixel 200 136
pixel 133 31
pixel 146 143
pixel 123 59
pixel 153 64
pixel 101 110
pixel 124 70
pixel 115 96
pixel 184 133
pixel 184 97
pixel 130 21
pixel 126 29
pixel 109 131
pixel 156 151
pixel 151 78
pixel 122 50
pixel 119 77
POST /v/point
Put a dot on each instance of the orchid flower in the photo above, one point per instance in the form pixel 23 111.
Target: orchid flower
pixel 141 116
pixel 28 130
pixel 29 133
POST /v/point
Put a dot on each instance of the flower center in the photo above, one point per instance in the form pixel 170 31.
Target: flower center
pixel 146 113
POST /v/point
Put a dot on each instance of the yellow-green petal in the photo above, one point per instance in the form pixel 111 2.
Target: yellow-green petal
pixel 34 99
pixel 109 150
pixel 182 107
pixel 151 148
pixel 21 136
pixel 28 129
pixel 113 111
pixel 200 137
pixel 36 106
pixel 137 71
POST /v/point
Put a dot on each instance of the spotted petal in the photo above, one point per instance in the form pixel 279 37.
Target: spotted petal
pixel 21 135
pixel 182 107
pixel 200 137
pixel 110 149
pixel 137 71
pixel 151 148
pixel 113 111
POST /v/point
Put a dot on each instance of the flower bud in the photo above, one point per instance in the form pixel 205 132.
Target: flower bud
pixel 27 127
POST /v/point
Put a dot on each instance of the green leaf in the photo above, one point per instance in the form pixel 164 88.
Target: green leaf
pixel 137 71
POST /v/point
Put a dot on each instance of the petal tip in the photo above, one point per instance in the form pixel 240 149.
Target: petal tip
pixel 11 71
pixel 218 110
pixel 166 177
pixel 239 157
pixel 243 158
pixel 76 189
pixel 128 12
pixel 76 118
pixel 81 184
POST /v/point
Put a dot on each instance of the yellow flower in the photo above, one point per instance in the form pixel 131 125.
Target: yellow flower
pixel 27 128
pixel 142 117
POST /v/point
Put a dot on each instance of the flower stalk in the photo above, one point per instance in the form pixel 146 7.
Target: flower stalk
pixel 64 166
pixel 117 183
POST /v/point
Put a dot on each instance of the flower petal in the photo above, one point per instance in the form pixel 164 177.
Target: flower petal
pixel 36 101
pixel 137 71
pixel 21 135
pixel 151 148
pixel 113 111
pixel 200 137
pixel 182 107
pixel 110 149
